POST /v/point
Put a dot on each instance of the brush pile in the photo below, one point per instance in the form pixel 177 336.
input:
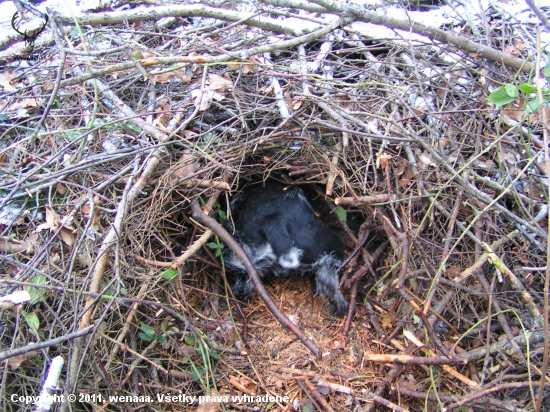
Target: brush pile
pixel 118 136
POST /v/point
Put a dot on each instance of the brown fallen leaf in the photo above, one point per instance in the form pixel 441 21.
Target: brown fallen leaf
pixel 217 82
pixel 336 344
pixel 167 77
pixel 382 160
pixel 8 245
pixel 15 361
pixel 5 80
pixel 53 222
pixel 68 236
pixel 209 403
pixel 28 103
pixel 61 189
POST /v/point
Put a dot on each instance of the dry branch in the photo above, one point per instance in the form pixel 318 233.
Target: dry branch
pixel 194 248
pixel 46 344
pixel 366 200
pixel 253 274
pixel 465 176
pixel 407 25
pixel 530 338
pixel 414 360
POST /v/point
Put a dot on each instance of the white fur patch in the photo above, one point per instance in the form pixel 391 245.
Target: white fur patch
pixel 291 259
pixel 262 257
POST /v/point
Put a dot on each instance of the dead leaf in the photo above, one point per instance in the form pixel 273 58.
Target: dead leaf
pixel 167 77
pixel 12 270
pixel 5 80
pixel 207 97
pixel 248 384
pixel 245 68
pixel 162 120
pixel 239 386
pixel 336 344
pixel 509 158
pixel 209 405
pixel 147 54
pixel 52 221
pixel 9 245
pixel 297 104
pixel 279 384
pixel 267 90
pixel 516 48
pixel 400 165
pixel 386 321
pixel 217 82
pixel 60 189
pixel 186 350
pixel 68 236
pixel 513 110
pixel 383 160
pixel 407 176
pixel 15 361
pixel 452 271
pixel 28 103
pixel 248 68
pixel 426 158
pixel 189 134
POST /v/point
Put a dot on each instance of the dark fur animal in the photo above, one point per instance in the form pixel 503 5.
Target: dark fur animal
pixel 280 233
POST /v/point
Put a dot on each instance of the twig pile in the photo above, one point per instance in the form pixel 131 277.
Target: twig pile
pixel 138 114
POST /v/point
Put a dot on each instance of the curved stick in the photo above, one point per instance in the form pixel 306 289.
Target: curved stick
pixel 211 223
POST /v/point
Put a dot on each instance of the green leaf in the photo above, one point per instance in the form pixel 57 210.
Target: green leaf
pixel 196 373
pixel 169 274
pixel 161 339
pixel 149 331
pixel 212 245
pixel 500 96
pixel 532 106
pixel 32 320
pixel 546 70
pixel 527 88
pixel 223 215
pixel 511 90
pixel 132 126
pixel 416 319
pixel 215 355
pixel 190 340
pixel 145 337
pixel 73 134
pixel 38 280
pixel 307 407
pixel 37 294
pixel 164 326
pixel 341 213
